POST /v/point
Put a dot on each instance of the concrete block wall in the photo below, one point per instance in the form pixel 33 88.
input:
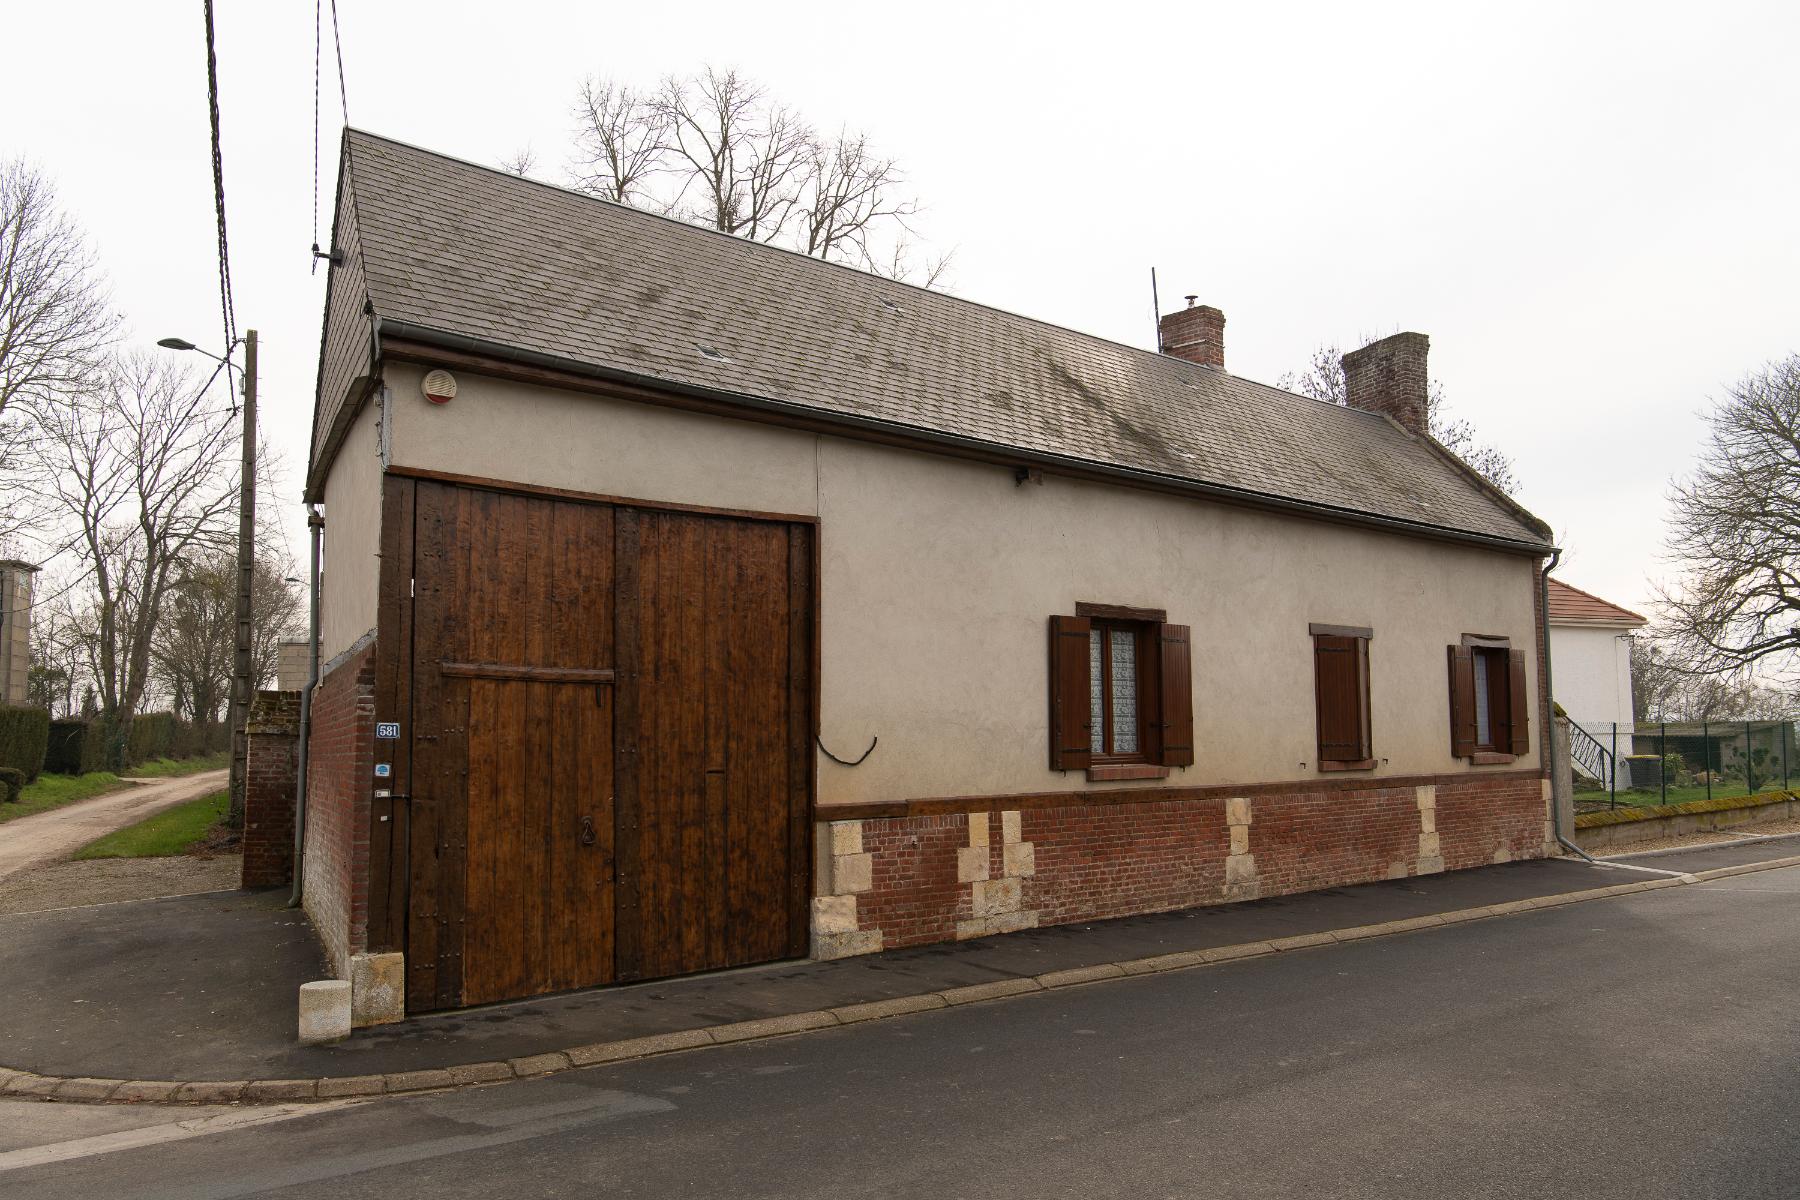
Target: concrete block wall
pixel 271 780
pixel 340 767
pixel 938 878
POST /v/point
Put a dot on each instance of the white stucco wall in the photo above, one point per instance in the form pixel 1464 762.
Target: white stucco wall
pixel 1590 668
pixel 938 576
pixel 351 550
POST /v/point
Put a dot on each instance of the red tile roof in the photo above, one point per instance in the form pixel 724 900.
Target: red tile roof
pixel 1572 606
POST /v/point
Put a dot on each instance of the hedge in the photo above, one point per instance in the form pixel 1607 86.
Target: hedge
pixel 12 782
pixel 152 736
pixel 24 736
pixel 76 747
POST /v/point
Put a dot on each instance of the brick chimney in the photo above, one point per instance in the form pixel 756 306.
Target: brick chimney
pixel 1388 377
pixel 1196 333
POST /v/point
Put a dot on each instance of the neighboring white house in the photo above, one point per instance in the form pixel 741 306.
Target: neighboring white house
pixel 1590 649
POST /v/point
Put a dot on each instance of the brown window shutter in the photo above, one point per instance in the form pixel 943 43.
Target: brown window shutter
pixel 1362 687
pixel 1340 692
pixel 1071 720
pixel 1462 701
pixel 1518 719
pixel 1176 670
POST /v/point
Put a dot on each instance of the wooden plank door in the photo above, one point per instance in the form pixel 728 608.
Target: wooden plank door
pixel 715 652
pixel 538 891
pixel 510 830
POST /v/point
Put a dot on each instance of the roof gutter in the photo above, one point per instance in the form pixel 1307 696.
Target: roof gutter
pixel 966 446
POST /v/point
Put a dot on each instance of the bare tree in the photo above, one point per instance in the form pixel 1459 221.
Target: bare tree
pixel 739 157
pixel 139 468
pixel 715 149
pixel 195 642
pixel 1323 379
pixel 55 312
pixel 620 141
pixel 521 162
pixel 1736 532
pixel 1667 687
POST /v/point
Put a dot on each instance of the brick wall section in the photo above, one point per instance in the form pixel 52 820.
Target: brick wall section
pixel 1491 821
pixel 1310 840
pixel 1111 860
pixel 340 767
pixel 914 896
pixel 271 773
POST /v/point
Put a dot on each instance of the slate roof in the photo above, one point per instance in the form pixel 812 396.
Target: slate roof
pixel 1572 606
pixel 466 250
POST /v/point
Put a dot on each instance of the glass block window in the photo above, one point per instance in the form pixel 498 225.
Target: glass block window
pixel 1124 691
pixel 1484 710
pixel 1114 679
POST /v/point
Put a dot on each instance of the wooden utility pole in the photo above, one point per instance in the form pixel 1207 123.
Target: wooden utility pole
pixel 239 709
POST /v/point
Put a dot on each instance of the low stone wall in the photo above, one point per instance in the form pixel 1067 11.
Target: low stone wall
pixel 887 882
pixel 1629 826
pixel 272 774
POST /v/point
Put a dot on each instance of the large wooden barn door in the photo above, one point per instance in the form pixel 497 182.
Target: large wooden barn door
pixel 511 836
pixel 611 744
pixel 714 711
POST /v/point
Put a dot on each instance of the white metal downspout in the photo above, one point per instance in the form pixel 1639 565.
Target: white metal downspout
pixel 1547 740
pixel 315 524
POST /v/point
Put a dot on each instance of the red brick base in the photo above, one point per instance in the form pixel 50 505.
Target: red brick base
pixel 272 775
pixel 340 768
pixel 940 877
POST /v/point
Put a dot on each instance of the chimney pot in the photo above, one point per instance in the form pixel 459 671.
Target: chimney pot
pixel 1389 377
pixel 1195 333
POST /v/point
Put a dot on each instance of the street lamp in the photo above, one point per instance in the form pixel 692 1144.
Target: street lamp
pixel 238 710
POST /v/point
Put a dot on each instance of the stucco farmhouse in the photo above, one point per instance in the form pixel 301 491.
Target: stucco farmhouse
pixel 689 603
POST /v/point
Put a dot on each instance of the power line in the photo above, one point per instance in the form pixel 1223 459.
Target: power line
pixel 218 163
pixel 338 42
pixel 317 5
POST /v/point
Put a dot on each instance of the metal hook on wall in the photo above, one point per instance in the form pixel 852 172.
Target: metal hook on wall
pixel 843 762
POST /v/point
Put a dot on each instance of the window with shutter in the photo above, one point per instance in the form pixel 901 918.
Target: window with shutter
pixel 1341 693
pixel 1071 720
pixel 1121 702
pixel 1177 699
pixel 1488 714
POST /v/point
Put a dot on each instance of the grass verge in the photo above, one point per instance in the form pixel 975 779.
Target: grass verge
pixel 172 831
pixel 169 768
pixel 54 791
pixel 1653 797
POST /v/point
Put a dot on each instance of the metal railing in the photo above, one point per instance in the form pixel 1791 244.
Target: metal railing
pixel 1590 757
pixel 1672 762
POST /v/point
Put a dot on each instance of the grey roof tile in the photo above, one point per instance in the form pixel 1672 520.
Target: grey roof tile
pixel 463 249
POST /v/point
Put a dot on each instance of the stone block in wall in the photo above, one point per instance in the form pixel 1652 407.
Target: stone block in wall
pixel 851 873
pixel 971 864
pixel 828 946
pixel 833 914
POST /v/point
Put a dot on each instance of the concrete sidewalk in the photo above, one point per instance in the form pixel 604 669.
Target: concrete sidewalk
pixel 202 990
pixel 56 834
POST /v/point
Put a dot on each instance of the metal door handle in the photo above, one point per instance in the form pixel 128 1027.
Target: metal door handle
pixel 587 831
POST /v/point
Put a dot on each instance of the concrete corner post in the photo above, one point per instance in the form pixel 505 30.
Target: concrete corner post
pixel 324 1011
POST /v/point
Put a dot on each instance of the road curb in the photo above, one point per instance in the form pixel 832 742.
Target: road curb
pixel 91 1090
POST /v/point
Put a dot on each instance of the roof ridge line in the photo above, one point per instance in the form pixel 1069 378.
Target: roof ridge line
pixel 1154 355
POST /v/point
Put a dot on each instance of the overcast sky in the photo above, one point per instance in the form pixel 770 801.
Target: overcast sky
pixel 1590 209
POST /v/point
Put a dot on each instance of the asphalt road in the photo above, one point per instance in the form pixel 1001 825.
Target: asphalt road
pixel 1647 1046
